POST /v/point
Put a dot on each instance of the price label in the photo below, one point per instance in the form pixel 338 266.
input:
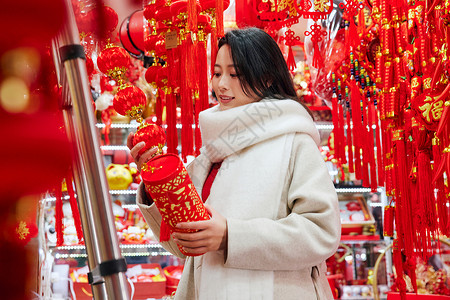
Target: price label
pixel 171 39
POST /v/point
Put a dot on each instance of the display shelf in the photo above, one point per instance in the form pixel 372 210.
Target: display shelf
pixel 361 298
pixel 114 147
pixel 128 250
pixel 324 125
pixel 360 238
pixel 119 125
pixel 131 125
pixel 123 192
pixel 352 190
pixel 122 246
pixel 51 199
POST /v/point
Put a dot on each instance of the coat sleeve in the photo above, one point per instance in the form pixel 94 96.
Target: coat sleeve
pixel 310 231
pixel 153 219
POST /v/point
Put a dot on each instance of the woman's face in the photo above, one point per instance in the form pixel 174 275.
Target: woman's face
pixel 226 82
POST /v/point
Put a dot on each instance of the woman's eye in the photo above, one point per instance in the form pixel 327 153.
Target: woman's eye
pixel 234 75
pixel 216 74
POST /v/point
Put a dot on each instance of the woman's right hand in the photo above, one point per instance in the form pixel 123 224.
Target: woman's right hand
pixel 134 151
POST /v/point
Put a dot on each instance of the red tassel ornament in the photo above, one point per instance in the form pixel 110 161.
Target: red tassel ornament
pixel 59 217
pixel 317 35
pixel 388 221
pixel 74 208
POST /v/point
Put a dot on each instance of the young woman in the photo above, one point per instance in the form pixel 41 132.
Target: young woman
pixel 274 210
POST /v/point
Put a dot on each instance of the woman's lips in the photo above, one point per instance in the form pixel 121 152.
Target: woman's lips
pixel 225 99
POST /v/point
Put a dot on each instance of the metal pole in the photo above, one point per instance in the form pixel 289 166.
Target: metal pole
pixel 105 262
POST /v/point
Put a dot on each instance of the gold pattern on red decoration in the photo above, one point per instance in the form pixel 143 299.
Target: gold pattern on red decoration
pixel 22 230
pixel 173 192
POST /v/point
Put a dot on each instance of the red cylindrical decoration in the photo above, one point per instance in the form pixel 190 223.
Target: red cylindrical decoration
pixel 365 143
pixel 379 160
pixel 388 221
pixel 371 146
pixel 59 217
pixel 357 126
pixel 173 192
pixel 351 163
pixel 340 135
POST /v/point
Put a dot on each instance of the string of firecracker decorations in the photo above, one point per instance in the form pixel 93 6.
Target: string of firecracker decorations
pixel 391 92
pixel 177 39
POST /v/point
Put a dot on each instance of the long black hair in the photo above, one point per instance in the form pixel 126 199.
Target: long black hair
pixel 259 63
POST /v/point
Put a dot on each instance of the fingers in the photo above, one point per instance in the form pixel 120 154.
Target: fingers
pixel 130 140
pixel 146 156
pixel 193 251
pixel 198 225
pixel 189 236
pixel 194 243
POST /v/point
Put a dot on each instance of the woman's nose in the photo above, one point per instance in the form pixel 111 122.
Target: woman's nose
pixel 223 83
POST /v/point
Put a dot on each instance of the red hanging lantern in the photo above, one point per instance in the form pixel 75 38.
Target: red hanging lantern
pixel 130 101
pixel 101 21
pixel 113 61
pixel 131 34
pixel 150 43
pixel 150 75
pixel 90 66
pixel 152 134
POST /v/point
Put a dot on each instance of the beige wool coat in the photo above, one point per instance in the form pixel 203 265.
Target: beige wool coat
pixel 280 204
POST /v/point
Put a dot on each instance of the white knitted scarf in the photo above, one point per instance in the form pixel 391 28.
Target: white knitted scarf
pixel 229 131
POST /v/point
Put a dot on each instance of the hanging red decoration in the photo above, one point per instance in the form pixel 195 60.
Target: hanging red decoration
pixel 428 109
pixel 24 232
pixel 211 8
pixel 114 61
pixel 152 134
pixel 290 39
pixel 130 101
pixel 100 21
pixel 132 32
pixel 150 75
pixel 89 66
pixel 317 34
pixel 320 10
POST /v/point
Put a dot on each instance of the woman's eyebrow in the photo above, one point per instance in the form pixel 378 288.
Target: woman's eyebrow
pixel 229 66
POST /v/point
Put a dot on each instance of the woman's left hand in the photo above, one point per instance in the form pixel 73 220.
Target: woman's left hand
pixel 211 235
